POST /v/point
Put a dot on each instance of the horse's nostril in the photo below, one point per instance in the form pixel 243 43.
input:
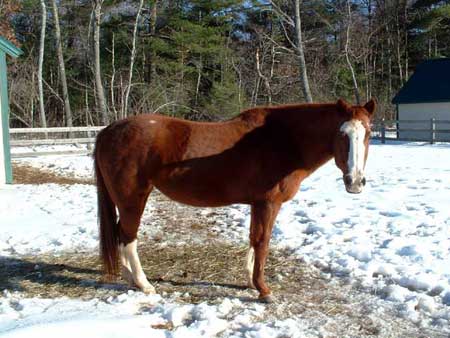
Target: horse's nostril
pixel 363 181
pixel 347 180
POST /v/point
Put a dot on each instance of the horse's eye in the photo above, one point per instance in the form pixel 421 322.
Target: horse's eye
pixel 363 181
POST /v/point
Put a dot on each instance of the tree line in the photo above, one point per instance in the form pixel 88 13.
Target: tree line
pixel 90 62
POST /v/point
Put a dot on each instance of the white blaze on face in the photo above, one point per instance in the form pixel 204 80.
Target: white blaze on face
pixel 356 133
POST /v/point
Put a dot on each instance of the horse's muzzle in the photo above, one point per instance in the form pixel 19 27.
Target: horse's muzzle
pixel 354 186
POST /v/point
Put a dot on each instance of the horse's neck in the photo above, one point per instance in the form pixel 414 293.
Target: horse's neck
pixel 313 132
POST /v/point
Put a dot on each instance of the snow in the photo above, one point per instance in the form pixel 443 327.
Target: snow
pixel 70 165
pixel 47 218
pixel 396 232
pixel 133 314
pixel 393 239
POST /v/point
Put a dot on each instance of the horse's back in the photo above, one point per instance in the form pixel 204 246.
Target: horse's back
pixel 153 139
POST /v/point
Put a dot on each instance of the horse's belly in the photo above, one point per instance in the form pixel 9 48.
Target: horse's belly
pixel 203 190
pixel 193 200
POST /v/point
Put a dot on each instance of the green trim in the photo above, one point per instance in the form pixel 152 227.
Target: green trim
pixel 9 48
pixel 5 116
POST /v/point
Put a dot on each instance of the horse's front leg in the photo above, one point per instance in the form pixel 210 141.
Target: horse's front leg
pixel 262 220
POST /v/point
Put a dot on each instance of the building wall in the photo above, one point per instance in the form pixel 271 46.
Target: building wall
pixel 423 111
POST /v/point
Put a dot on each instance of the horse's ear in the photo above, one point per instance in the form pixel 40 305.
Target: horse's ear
pixel 370 107
pixel 343 106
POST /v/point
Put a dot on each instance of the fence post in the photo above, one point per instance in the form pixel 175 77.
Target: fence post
pixel 433 130
pixel 89 135
pixel 383 131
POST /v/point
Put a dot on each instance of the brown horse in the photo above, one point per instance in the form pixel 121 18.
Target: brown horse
pixel 258 158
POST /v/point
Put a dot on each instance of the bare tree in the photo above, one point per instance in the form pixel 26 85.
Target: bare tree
pixel 398 45
pixel 297 45
pixel 101 101
pixel 153 17
pixel 113 76
pixel 199 67
pixel 133 56
pixel 264 78
pixel 301 54
pixel 41 62
pixel 62 69
pixel 238 72
pixel 347 57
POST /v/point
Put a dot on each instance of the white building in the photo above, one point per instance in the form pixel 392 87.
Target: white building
pixel 426 95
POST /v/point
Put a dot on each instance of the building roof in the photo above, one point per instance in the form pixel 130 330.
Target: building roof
pixel 9 48
pixel 429 83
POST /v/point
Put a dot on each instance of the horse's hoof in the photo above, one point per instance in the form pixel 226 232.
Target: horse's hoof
pixel 149 290
pixel 267 299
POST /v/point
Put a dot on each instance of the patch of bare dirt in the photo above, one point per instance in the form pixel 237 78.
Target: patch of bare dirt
pixel 26 174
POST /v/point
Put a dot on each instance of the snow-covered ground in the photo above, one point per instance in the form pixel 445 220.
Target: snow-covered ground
pixel 393 239
pixel 47 217
pixel 136 315
pixel 73 165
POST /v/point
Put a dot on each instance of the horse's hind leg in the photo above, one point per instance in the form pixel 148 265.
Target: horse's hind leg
pixel 125 266
pixel 130 217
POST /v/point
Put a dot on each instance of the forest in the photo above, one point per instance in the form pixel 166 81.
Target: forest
pixel 90 62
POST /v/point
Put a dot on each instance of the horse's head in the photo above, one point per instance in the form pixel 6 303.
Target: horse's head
pixel 351 143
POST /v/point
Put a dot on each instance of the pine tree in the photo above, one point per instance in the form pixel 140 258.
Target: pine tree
pixel 430 28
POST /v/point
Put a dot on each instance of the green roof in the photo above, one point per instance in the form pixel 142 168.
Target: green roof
pixel 9 48
pixel 429 83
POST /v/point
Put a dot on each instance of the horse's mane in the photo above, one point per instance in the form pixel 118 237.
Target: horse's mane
pixel 257 114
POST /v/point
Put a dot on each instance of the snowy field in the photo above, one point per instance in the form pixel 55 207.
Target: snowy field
pixel 393 240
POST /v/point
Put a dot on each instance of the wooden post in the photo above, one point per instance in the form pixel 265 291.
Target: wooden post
pixel 383 131
pixel 89 145
pixel 432 130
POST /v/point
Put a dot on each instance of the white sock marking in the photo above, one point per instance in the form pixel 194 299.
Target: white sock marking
pixel 125 268
pixel 250 265
pixel 139 278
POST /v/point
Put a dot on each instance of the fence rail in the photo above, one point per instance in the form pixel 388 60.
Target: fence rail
pixel 23 137
pixel 403 130
pixel 54 130
pixel 47 141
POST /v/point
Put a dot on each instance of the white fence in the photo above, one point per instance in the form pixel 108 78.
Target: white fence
pixel 431 130
pixel 31 137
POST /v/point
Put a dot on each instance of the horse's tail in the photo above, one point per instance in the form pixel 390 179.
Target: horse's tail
pixel 109 228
